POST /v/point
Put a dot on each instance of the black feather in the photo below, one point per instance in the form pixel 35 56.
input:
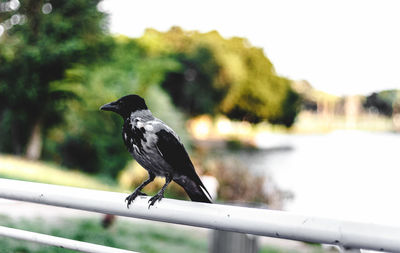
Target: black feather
pixel 175 154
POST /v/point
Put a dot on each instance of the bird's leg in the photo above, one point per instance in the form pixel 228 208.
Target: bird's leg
pixel 160 194
pixel 137 191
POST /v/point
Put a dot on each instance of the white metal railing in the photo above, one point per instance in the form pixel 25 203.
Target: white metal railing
pixel 280 224
pixel 57 241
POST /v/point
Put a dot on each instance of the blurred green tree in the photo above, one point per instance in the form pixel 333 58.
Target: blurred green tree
pixel 382 102
pixel 42 39
pixel 227 76
pixel 193 86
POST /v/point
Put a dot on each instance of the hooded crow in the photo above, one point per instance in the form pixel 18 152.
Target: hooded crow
pixel 157 148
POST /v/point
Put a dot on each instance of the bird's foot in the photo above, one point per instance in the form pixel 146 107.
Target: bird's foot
pixel 156 197
pixel 133 196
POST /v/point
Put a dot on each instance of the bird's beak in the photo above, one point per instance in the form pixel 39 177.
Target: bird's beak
pixel 113 106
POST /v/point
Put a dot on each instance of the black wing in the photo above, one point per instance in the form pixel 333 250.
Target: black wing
pixel 175 155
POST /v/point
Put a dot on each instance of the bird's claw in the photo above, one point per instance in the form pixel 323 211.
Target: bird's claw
pixel 133 196
pixel 156 197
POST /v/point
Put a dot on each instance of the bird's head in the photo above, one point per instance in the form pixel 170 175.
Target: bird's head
pixel 125 105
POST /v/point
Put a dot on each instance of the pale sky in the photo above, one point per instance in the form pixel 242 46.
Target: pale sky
pixel 341 47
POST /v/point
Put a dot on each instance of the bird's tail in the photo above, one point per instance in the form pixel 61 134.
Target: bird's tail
pixel 194 188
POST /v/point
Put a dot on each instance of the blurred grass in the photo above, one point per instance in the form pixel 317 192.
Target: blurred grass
pixel 14 167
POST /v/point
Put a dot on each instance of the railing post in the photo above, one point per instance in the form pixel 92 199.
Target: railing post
pixel 232 242
pixel 349 250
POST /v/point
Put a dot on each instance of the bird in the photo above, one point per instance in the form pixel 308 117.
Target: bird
pixel 157 148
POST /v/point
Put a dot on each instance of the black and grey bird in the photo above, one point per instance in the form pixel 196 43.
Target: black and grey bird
pixel 157 148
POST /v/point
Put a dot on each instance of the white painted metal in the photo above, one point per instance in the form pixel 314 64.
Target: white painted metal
pixel 344 250
pixel 57 241
pixel 349 235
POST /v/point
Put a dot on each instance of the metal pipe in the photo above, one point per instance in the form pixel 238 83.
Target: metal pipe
pixel 280 224
pixel 58 242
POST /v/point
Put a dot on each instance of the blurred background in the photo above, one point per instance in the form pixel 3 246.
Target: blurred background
pixel 289 105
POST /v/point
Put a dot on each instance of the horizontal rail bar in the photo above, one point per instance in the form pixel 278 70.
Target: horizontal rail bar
pixel 223 217
pixel 58 241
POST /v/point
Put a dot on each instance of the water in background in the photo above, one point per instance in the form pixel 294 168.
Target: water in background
pixel 345 174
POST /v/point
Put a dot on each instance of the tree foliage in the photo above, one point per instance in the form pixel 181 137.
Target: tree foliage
pixel 47 39
pixel 382 102
pixel 223 76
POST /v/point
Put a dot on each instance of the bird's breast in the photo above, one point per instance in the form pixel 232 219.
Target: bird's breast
pixel 141 141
